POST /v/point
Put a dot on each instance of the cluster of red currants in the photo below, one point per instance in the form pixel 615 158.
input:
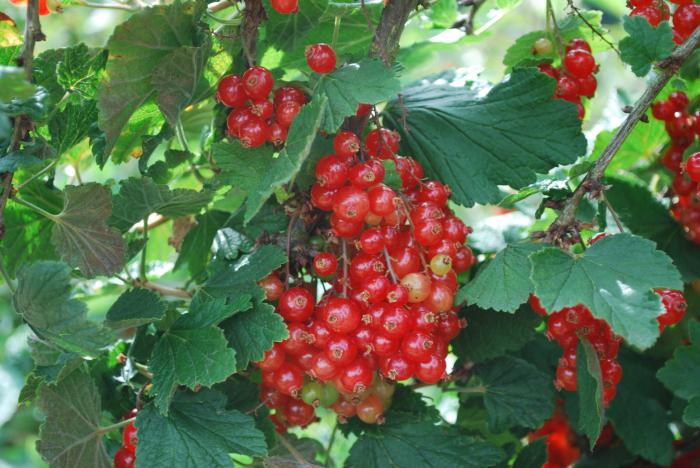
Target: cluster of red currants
pixel 686 17
pixel 682 127
pixel 562 449
pixel 575 78
pixel 126 455
pixel 254 118
pixel 389 313
pixel 570 324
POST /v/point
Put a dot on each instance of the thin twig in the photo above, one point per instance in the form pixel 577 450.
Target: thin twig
pixel 157 221
pixel 105 6
pixel 344 243
pixel 564 227
pixel 612 211
pixel 388 266
pixel 330 446
pixel 253 15
pixel 142 265
pixel 555 27
pixel 6 277
pixel 218 6
pixel 595 30
pixel 162 289
pixel 115 426
pixel 288 250
pixel 37 175
pixel 292 450
pixel 32 34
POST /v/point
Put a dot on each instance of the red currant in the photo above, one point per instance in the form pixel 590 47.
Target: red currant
pixel 124 458
pixel 580 63
pixel 692 167
pixel 231 91
pixel 285 7
pixel 320 58
pixel 325 264
pixel 258 82
pixel 296 305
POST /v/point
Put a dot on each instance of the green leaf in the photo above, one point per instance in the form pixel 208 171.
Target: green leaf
pixel 645 43
pixel 138 48
pixel 197 432
pixel 691 414
pixel 71 125
pixel 14 84
pixel 589 383
pixel 443 13
pixel 257 172
pixel 639 150
pixel 70 75
pixel 616 288
pixel 477 150
pixel 196 247
pixel 229 243
pixel 43 300
pixel 178 80
pixel 405 443
pixel 379 83
pixel 503 283
pixel 685 362
pixel 81 235
pixel 139 197
pixel 134 308
pixel 27 238
pixel 646 216
pixel 70 435
pixel 253 332
pixel 516 393
pixel 243 275
pixel 533 455
pixel 52 364
pixel 490 334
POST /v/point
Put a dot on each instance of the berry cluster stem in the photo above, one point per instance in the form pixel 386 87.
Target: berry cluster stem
pixel 564 227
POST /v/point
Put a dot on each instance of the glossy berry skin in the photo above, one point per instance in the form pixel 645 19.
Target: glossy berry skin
pixel 370 410
pixel 298 413
pixel 331 172
pixel 323 368
pixel 692 167
pixel 325 264
pixel 578 43
pixel 579 63
pixel 432 370
pixel 263 108
pixel 272 359
pixel 276 134
pixel 567 88
pixel 289 93
pixel 253 133
pixel 129 437
pixel 231 91
pixel 382 200
pixel 286 112
pixel 236 119
pixel 124 458
pixel 650 13
pixel 342 315
pixel 587 86
pixel 285 7
pixel 686 18
pixel 289 379
pixel 367 174
pixel 341 350
pixel 272 286
pixel 417 285
pixel 357 376
pixel 296 305
pixel 396 321
pixel 258 82
pixel 398 368
pixel 382 143
pixel 320 58
pixel 351 204
pixel 418 346
pixel 346 144
pixel 372 241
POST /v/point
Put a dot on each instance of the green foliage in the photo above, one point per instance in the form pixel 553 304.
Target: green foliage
pixel 539 134
pixel 14 85
pixel 645 44
pixel 70 435
pixel 134 308
pixel 589 383
pixel 198 431
pixel 685 362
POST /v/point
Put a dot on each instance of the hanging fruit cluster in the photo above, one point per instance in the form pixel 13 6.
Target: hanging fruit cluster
pixel 562 448
pixel 388 315
pixel 570 324
pixel 126 455
pixel 575 78
pixel 682 127
pixel 686 17
pixel 45 6
pixel 255 119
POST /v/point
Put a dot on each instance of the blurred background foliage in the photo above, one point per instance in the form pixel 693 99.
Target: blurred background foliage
pixel 429 46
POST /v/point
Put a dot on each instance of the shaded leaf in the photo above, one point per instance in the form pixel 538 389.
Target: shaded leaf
pixel 645 44
pixel 134 308
pixel 589 384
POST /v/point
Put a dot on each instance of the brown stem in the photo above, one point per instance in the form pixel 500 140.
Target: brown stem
pixel 158 221
pixel 595 30
pixel 293 451
pixel 344 244
pixel 253 15
pixel 162 289
pixel 385 44
pixel 218 6
pixel 564 228
pixel 387 257
pixel 32 34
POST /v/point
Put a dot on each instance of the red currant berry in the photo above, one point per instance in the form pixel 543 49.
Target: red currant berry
pixel 580 63
pixel 323 368
pixel 578 43
pixel 372 241
pixel 405 261
pixel 129 437
pixel 385 345
pixel 397 294
pixel 649 13
pixel 286 112
pixel 351 204
pixel 272 286
pixel 345 229
pixel 679 101
pixel 289 379
pixel 346 144
pixel 382 200
pixel 417 285
pixel 325 264
pixel 341 350
pixel 398 368
pixel 262 108
pixel 322 198
pixel 686 18
pixel 463 260
pixel 357 376
pixel 663 110
pixel 331 172
pixel 432 370
pixel 258 82
pixel 367 174
pixel 289 93
pixel 298 413
pixel 231 91
pixel 567 88
pixel 320 58
pixel 587 86
pixel 253 132
pixel 370 410
pixel 396 321
pixel 341 315
pixel 440 299
pixel 284 7
pixel 124 458
pixel 296 305
pixel 272 359
pixel 566 378
pixel 418 346
pixel 433 191
pixel 382 143
pixel 692 167
pixel 276 134
pixel 236 118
